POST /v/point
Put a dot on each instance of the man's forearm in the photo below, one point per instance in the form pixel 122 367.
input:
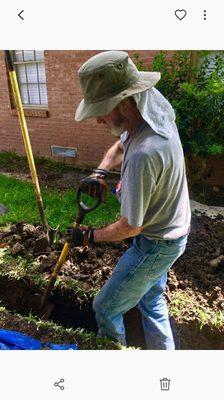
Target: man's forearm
pixel 113 157
pixel 116 232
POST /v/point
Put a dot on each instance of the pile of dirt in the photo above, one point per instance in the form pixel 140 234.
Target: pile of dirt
pixel 22 238
pixel 193 272
pixel 91 267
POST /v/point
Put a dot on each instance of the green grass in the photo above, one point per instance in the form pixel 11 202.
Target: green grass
pixel 16 268
pixel 187 308
pixel 21 269
pixel 60 208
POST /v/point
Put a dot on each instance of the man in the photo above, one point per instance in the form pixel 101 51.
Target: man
pixel 153 193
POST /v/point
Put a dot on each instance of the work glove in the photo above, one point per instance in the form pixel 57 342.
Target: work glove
pixel 95 185
pixel 79 236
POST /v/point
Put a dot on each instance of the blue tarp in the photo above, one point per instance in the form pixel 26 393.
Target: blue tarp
pixel 12 340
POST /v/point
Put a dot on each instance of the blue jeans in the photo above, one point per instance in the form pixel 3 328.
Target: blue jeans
pixel 140 279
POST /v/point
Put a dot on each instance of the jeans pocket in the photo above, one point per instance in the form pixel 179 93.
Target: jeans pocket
pixel 145 246
pixel 163 261
pixel 173 247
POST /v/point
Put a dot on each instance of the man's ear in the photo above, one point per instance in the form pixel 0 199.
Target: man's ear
pixel 125 105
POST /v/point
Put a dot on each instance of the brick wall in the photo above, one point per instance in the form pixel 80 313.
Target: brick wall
pixel 57 126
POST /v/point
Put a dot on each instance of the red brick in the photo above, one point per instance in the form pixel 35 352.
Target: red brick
pixel 59 128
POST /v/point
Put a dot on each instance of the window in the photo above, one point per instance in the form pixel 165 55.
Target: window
pixel 30 70
pixel 212 56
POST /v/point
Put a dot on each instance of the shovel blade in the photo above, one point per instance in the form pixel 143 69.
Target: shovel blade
pixel 3 209
pixel 52 233
pixel 41 312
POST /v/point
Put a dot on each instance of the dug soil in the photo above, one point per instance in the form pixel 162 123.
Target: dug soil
pixel 192 273
pixel 87 269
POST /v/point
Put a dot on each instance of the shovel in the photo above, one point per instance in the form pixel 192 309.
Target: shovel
pixel 3 209
pixel 83 209
pixel 41 243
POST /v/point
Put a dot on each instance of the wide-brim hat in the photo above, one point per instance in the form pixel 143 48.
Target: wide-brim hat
pixel 108 78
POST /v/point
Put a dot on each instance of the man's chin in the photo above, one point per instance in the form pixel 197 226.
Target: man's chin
pixel 117 131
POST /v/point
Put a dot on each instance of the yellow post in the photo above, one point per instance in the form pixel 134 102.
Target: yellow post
pixel 26 139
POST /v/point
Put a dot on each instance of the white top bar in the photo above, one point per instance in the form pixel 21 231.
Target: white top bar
pixel 120 24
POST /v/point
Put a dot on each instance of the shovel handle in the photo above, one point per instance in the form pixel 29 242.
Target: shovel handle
pixel 54 274
pixel 83 209
pixel 61 259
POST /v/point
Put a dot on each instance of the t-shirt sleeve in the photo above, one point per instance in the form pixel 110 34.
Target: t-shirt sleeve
pixel 138 186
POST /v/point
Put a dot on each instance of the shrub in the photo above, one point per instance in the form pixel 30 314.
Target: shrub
pixel 197 95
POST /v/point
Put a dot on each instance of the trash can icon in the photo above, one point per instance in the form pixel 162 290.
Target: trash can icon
pixel 165 384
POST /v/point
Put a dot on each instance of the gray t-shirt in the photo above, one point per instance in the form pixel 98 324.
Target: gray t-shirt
pixel 154 192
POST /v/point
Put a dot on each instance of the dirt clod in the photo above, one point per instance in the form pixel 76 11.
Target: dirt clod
pixel 40 244
pixel 18 248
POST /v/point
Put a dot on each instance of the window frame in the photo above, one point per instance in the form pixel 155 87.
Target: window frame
pixel 35 61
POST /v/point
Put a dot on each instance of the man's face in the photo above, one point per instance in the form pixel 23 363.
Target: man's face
pixel 115 121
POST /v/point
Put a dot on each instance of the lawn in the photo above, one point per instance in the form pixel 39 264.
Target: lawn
pixel 60 207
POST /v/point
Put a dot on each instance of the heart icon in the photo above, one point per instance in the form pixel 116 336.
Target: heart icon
pixel 180 14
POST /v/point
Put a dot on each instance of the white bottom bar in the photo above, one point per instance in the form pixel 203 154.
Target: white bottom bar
pixel 100 375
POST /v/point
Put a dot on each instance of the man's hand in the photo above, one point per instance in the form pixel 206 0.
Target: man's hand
pixel 94 185
pixel 79 236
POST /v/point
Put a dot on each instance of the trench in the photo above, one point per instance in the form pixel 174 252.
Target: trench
pixel 23 298
pixel 20 297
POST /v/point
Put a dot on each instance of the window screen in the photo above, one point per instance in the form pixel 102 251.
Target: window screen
pixel 30 70
pixel 211 57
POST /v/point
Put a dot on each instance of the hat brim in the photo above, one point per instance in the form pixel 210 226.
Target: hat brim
pixel 87 110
